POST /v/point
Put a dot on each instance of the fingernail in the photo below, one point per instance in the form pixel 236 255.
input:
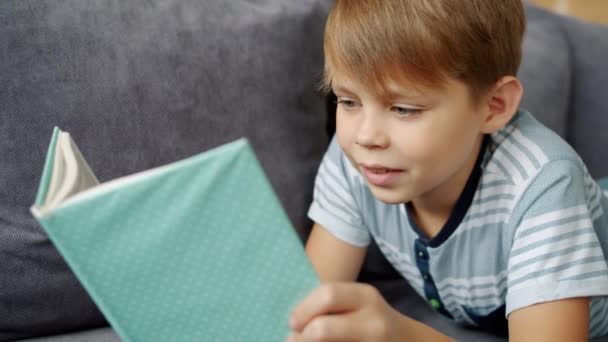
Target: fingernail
pixel 292 323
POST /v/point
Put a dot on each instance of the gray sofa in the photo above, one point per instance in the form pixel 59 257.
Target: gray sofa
pixel 140 83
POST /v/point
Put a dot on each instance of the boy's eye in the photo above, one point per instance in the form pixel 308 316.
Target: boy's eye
pixel 347 104
pixel 405 111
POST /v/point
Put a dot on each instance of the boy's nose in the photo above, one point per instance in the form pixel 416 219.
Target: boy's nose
pixel 371 132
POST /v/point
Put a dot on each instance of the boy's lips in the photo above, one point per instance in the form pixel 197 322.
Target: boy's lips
pixel 380 175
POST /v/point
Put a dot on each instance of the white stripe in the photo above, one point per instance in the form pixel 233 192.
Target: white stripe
pixel 348 167
pixel 521 157
pixel 489 177
pixel 473 281
pixel 401 260
pixel 597 212
pixel 506 162
pixel 458 313
pixel 595 194
pixel 580 225
pixel 501 135
pixel 556 246
pixel 571 272
pixel 484 193
pixel 338 195
pixel 549 217
pixel 473 303
pixel 595 202
pixel 493 169
pixel 558 260
pixel 481 222
pixel 336 174
pixel 338 211
pixel 532 147
pixel 589 182
pixel 405 268
pixel 497 204
pixel 473 293
pixel 595 266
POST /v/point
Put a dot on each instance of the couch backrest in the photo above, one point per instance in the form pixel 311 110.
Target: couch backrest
pixel 140 83
pixel 588 108
pixel 566 81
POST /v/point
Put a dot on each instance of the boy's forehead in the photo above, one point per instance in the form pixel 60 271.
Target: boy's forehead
pixel 387 87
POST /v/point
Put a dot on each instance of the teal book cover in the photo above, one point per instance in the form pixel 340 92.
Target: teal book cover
pixel 196 250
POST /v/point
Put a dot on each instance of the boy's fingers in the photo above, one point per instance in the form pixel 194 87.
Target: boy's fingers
pixel 326 299
pixel 332 328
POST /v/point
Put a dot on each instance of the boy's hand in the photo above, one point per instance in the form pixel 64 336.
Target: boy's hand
pixel 344 312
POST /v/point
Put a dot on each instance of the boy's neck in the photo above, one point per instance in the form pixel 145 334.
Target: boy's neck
pixel 432 211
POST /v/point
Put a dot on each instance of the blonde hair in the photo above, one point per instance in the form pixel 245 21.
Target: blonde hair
pixel 424 41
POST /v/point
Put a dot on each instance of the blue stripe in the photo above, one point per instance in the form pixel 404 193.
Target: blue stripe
pixel 328 186
pixel 550 255
pixel 464 300
pixel 553 223
pixel 525 150
pixel 345 216
pixel 555 269
pixel 480 309
pixel 471 287
pixel 598 319
pixel 493 198
pixel 588 275
pixel 502 168
pixel 495 183
pixel 515 163
pixel 487 213
pixel 337 179
pixel 596 195
pixel 580 231
pixel 603 332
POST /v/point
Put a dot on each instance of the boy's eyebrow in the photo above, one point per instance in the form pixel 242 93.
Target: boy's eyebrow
pixel 391 92
pixel 394 92
pixel 340 89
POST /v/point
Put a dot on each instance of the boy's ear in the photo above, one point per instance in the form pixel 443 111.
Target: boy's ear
pixel 501 103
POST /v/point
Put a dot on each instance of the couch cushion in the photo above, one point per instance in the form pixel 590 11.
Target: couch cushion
pixel 545 70
pixel 588 110
pixel 140 83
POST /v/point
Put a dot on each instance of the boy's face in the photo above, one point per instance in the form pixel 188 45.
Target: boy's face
pixel 416 144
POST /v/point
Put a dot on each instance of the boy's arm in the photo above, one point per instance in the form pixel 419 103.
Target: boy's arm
pixel 561 320
pixel 364 311
pixel 333 259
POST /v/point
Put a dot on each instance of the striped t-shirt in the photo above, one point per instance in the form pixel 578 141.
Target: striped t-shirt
pixel 531 226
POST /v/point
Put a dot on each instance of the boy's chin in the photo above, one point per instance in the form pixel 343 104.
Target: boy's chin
pixel 389 196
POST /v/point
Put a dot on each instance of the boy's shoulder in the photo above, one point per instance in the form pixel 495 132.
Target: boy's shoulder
pixel 525 147
pixel 538 172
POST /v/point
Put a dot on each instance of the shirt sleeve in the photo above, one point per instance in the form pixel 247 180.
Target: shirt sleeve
pixel 334 203
pixel 556 252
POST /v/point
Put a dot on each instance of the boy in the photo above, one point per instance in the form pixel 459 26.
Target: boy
pixel 488 214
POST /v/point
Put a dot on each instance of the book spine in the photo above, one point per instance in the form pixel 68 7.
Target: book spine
pixel 48 168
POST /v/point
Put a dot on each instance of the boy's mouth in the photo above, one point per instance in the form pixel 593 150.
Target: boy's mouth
pixel 379 169
pixel 379 175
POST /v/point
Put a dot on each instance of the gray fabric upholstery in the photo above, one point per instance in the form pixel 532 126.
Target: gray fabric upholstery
pixel 93 335
pixel 588 107
pixel 565 75
pixel 139 84
pixel 545 70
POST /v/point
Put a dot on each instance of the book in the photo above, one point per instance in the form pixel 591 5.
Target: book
pixel 196 250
